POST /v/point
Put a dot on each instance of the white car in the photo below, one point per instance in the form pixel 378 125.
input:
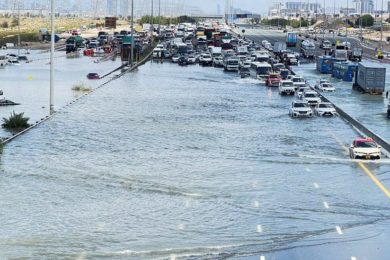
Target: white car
pixel 311 97
pixel 325 109
pixel 326 45
pixel 319 82
pixel 297 80
pixel 326 87
pixel 300 108
pixel 265 42
pixel 365 148
pixel 218 61
pixel 191 59
pixel 246 64
pixel 301 90
pixel 286 87
pixel 175 58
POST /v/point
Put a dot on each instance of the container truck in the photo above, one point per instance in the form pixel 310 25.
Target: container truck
pixel 308 49
pixel 292 39
pixel 370 78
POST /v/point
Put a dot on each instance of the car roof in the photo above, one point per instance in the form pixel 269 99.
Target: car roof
pixel 299 101
pixel 363 140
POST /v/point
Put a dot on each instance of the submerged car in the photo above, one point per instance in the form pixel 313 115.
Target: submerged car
pixel 273 80
pixel 311 97
pixel 300 108
pixel 325 87
pixel 365 148
pixel 286 87
pixel 325 109
pixel 244 72
pixel 93 76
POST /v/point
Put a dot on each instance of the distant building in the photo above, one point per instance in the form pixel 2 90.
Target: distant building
pixel 347 11
pixel 302 6
pixel 364 6
pixel 112 7
pixel 388 6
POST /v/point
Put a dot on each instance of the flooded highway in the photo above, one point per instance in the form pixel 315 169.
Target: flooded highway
pixel 172 162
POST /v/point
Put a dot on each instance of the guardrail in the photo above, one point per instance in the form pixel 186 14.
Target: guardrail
pixel 363 130
pixel 356 125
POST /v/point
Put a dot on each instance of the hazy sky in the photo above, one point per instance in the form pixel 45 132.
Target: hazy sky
pixel 261 6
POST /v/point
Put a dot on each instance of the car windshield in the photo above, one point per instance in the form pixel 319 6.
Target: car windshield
pixel 324 105
pixel 310 95
pixel 298 80
pixel 326 85
pixel 287 83
pixel 274 76
pixel 365 144
pixel 300 105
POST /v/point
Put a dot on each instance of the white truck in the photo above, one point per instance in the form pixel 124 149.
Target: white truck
pixel 279 47
pixel 231 63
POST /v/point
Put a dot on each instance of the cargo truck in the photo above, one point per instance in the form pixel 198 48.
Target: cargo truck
pixel 370 78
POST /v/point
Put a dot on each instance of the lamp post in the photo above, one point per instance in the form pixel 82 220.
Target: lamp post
pixel 381 25
pixel 132 33
pixel 52 20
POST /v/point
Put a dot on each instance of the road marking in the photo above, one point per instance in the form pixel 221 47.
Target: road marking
pixel 316 185
pixel 307 169
pixel 256 204
pixel 259 228
pixel 262 257
pixel 353 258
pixel 374 179
pixel 326 205
pixel 339 231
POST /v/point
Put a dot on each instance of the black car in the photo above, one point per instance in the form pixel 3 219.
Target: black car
pixel 183 61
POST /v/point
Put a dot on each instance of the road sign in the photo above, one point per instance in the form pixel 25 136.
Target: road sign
pixel 110 22
pixel 127 39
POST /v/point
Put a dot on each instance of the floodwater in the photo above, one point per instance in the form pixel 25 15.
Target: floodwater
pixel 173 162
pixel 371 110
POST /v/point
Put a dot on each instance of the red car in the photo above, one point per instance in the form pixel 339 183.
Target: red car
pixel 93 76
pixel 273 80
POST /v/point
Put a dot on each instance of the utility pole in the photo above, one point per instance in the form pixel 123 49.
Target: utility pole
pixel 324 23
pixel 52 18
pixel 300 16
pixel 151 24
pixel 159 16
pixel 18 27
pixel 361 20
pixel 132 33
pixel 334 17
pixel 381 26
pixel 346 21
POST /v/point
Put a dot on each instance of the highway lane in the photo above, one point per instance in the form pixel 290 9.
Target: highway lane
pixel 174 162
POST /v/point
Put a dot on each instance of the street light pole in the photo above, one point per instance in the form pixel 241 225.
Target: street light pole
pixel 18 28
pixel 151 26
pixel 132 33
pixel 381 25
pixel 52 16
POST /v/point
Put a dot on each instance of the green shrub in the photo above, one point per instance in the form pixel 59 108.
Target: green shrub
pixel 81 87
pixel 16 122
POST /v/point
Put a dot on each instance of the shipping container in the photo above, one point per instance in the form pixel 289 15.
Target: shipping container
pixel 370 78
pixel 325 64
pixel 344 70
